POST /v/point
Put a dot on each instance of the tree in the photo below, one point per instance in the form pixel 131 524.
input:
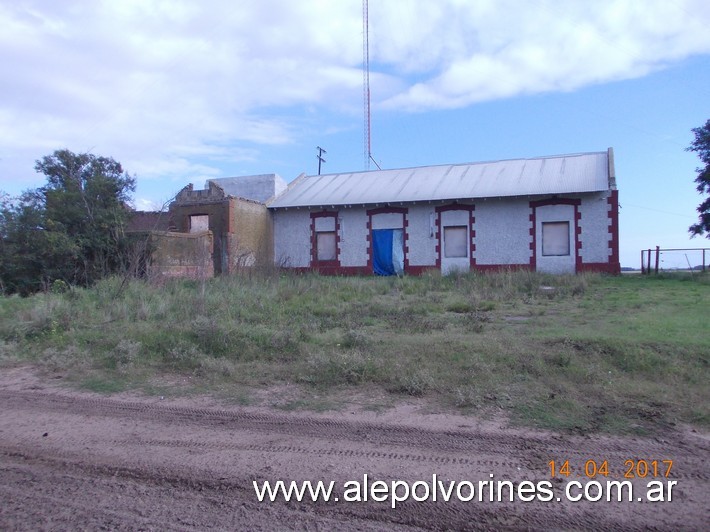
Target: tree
pixel 71 229
pixel 32 253
pixel 701 145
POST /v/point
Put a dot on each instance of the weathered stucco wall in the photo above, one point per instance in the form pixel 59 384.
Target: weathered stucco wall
pixel 551 263
pixel 181 255
pixel 292 238
pixel 502 232
pixel 421 244
pixel 250 237
pixel 242 231
pixel 252 187
pixel 218 212
pixel 353 237
pixel 595 224
pixel 455 218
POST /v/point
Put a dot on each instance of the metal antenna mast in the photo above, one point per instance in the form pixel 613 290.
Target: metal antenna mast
pixel 366 80
pixel 321 151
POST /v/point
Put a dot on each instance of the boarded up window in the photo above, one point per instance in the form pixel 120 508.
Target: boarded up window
pixel 455 242
pixel 325 241
pixel 199 223
pixel 555 238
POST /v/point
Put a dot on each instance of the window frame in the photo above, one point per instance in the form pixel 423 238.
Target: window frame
pixel 201 217
pixel 332 256
pixel 447 229
pixel 325 223
pixel 551 253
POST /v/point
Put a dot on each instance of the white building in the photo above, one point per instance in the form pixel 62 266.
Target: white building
pixel 554 214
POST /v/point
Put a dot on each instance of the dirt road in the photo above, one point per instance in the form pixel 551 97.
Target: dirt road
pixel 70 459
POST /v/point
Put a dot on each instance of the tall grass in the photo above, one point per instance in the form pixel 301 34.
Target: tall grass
pixel 572 352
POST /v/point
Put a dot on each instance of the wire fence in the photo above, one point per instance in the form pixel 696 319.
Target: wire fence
pixel 674 259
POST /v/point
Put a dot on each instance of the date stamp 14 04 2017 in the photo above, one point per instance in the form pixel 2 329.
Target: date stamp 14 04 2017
pixel 619 479
pixel 600 468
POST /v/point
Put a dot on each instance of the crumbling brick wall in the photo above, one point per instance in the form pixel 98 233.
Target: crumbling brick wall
pixel 181 255
pixel 241 228
pixel 250 243
pixel 219 224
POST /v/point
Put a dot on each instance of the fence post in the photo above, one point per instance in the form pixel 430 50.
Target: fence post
pixel 643 268
pixel 658 253
pixel 648 261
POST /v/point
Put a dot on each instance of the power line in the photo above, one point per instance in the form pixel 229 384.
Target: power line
pixel 656 210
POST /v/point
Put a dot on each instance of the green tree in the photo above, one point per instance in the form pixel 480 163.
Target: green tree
pixel 701 146
pixel 32 254
pixel 71 229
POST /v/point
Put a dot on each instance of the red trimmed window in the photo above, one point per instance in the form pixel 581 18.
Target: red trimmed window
pixel 326 248
pixel 324 238
pixel 455 245
pixel 555 239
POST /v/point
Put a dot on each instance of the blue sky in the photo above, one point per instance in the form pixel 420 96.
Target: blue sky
pixel 182 91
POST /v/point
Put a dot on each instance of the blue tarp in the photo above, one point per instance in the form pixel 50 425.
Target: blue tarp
pixel 387 251
pixel 398 251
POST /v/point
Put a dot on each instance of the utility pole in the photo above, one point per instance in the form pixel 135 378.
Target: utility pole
pixel 321 151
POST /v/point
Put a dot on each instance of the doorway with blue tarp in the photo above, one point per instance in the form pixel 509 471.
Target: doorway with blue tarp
pixel 388 251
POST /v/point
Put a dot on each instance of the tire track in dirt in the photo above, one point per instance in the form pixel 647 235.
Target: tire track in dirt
pixel 688 471
pixel 89 510
pixel 530 452
pixel 356 431
pixel 430 516
pixel 372 433
pixel 321 451
pixel 226 496
pixel 104 462
pixel 170 497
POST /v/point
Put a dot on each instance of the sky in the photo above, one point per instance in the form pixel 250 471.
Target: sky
pixel 183 91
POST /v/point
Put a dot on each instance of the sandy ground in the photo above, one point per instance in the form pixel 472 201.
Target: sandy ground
pixel 74 460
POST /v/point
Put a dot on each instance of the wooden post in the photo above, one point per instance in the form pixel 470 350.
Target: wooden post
pixel 648 260
pixel 643 268
pixel 658 253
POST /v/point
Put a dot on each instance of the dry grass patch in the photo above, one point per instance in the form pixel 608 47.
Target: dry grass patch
pixel 586 353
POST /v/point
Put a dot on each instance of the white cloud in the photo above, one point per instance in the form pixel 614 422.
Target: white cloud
pixel 471 52
pixel 176 88
pixel 144 204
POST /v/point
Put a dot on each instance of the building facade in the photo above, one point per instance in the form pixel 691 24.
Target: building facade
pixel 234 211
pixel 552 214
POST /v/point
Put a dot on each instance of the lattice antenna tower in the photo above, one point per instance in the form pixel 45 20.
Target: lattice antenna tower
pixel 367 151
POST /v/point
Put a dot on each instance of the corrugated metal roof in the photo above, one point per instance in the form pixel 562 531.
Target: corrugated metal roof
pixel 585 172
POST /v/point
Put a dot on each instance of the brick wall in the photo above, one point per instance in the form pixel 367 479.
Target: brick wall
pixel 181 255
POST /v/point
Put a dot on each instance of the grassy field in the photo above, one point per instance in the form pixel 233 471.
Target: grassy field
pixel 578 353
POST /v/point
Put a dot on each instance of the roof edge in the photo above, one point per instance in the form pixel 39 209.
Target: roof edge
pixel 612 169
pixel 293 183
pixel 471 163
pixel 437 200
